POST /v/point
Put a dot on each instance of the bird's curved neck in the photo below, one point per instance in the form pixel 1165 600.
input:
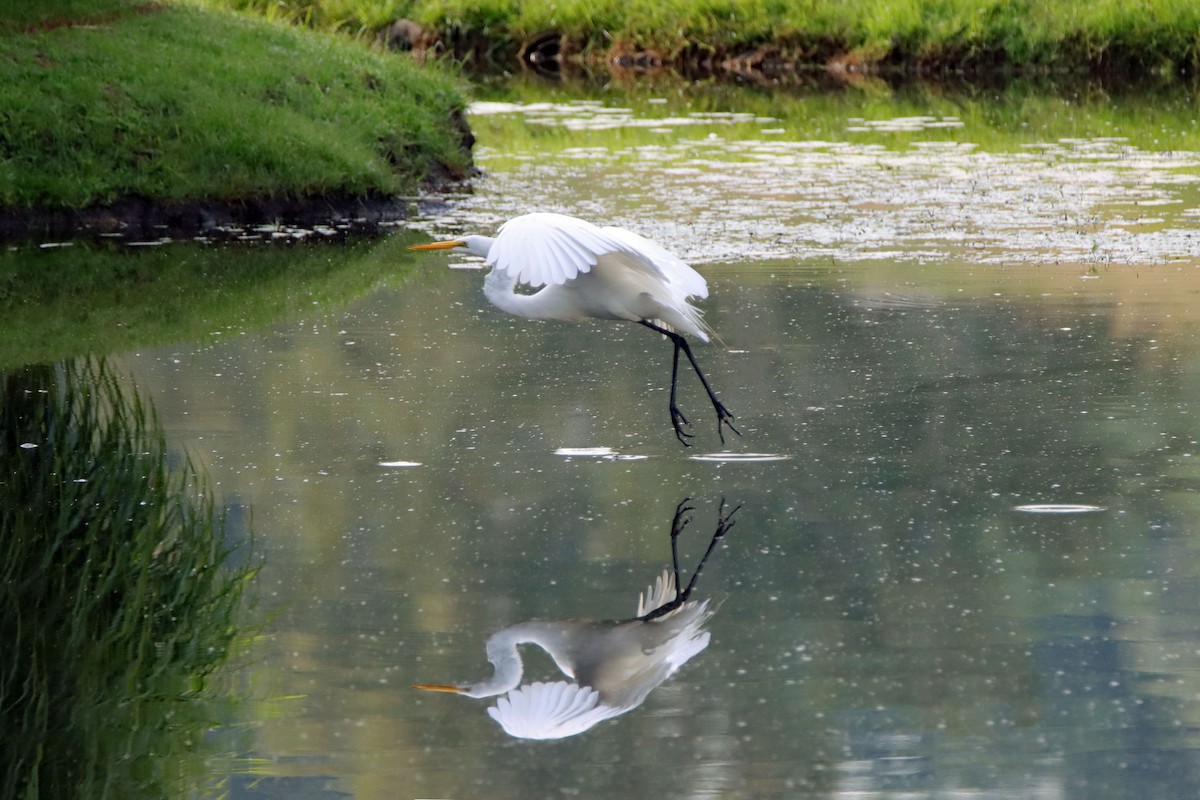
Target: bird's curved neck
pixel 503 654
pixel 500 289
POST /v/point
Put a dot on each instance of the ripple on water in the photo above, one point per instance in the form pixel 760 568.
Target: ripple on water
pixel 596 452
pixel 730 457
pixel 1057 508
pixel 586 452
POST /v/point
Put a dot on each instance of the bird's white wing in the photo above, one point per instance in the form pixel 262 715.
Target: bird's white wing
pixel 673 269
pixel 543 248
pixel 550 710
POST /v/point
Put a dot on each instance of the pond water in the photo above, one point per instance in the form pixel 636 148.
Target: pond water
pixel 963 352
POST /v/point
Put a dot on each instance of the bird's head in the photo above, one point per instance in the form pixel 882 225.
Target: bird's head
pixel 475 245
pixel 441 687
pixel 465 689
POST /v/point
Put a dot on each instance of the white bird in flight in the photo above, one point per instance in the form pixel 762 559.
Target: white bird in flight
pixel 588 272
pixel 613 664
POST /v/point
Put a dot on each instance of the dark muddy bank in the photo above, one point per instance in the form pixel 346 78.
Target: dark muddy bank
pixel 140 218
pixel 137 218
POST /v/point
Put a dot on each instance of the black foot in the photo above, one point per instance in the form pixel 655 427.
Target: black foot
pixel 725 521
pixel 678 421
pixel 681 518
pixel 724 418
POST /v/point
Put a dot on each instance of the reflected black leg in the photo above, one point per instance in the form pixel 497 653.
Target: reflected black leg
pixel 724 523
pixel 678 523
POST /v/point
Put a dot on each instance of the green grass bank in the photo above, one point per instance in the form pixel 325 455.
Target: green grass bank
pixel 1111 37
pixel 114 104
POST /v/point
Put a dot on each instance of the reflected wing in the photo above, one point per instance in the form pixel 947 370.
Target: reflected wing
pixel 538 249
pixel 690 643
pixel 658 595
pixel 550 710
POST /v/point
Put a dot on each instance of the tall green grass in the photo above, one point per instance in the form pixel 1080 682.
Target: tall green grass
pixel 1113 35
pixel 119 601
pixel 174 102
pixel 356 17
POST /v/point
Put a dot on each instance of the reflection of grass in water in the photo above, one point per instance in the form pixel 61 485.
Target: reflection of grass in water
pixel 102 298
pixel 997 120
pixel 116 605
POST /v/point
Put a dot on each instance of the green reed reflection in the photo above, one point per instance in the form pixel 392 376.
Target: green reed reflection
pixel 118 602
pixel 105 297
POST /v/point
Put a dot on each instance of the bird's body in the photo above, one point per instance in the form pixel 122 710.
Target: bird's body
pixel 612 666
pixel 582 272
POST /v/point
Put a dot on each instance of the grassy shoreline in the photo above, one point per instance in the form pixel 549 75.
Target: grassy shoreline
pixel 1106 37
pixel 107 104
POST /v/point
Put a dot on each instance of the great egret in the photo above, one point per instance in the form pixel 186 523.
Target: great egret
pixel 613 664
pixel 588 272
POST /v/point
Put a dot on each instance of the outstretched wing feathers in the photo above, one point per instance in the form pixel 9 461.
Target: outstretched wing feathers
pixel 547 248
pixel 543 248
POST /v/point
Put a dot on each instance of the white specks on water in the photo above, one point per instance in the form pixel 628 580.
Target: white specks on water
pixel 400 463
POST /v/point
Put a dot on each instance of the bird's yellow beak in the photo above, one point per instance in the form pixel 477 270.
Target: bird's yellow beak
pixel 448 245
pixel 438 687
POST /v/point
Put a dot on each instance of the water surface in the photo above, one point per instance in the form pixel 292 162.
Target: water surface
pixel 966 365
pixel 900 609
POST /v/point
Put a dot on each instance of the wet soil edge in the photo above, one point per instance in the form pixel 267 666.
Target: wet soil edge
pixel 142 218
pixel 135 217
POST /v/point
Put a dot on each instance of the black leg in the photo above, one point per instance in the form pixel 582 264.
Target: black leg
pixel 678 420
pixel 723 415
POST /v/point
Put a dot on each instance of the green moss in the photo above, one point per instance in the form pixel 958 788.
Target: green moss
pixel 181 103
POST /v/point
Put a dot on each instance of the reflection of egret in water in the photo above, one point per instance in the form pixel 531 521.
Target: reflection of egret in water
pixel 613 664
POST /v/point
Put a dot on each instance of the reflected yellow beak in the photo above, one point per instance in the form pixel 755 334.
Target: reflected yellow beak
pixel 450 245
pixel 438 687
